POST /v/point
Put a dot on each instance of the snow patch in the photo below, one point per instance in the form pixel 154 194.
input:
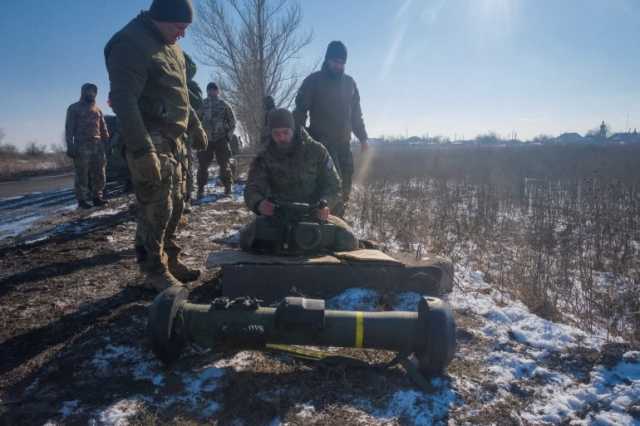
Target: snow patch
pixel 69 408
pixel 106 212
pixel 15 228
pixel 305 411
pixel 240 362
pixel 605 399
pixel 355 299
pixel 117 414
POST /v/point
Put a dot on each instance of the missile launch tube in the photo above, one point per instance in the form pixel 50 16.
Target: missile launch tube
pixel 428 333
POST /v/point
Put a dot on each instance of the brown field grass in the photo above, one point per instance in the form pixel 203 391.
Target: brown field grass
pixel 556 226
pixel 22 165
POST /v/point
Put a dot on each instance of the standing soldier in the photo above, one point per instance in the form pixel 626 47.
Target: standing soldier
pixel 86 135
pixel 150 96
pixel 219 122
pixel 196 101
pixel 332 100
pixel 269 105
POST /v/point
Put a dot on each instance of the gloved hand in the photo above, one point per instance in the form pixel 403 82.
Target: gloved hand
pixel 147 168
pixel 199 139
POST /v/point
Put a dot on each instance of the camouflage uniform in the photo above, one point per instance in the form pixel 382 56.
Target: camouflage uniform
pixel 333 105
pixel 150 97
pixel 196 101
pixel 86 135
pixel 219 122
pixel 306 175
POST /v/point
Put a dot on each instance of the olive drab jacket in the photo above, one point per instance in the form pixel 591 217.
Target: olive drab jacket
pixel 306 174
pixel 333 106
pixel 217 119
pixel 149 91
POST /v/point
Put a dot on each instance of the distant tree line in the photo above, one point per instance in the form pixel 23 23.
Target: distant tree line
pixel 32 149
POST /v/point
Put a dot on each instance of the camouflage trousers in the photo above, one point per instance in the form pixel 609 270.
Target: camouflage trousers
pixel 160 205
pixel 222 152
pixel 90 165
pixel 343 160
pixel 346 239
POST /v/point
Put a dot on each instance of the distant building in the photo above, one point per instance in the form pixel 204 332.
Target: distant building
pixel 572 137
pixel 625 138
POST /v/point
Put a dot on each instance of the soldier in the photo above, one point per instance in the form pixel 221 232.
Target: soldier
pixel 292 168
pixel 333 102
pixel 150 97
pixel 196 101
pixel 269 105
pixel 219 122
pixel 86 136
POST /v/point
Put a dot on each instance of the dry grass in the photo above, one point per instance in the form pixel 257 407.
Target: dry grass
pixel 559 227
pixel 22 165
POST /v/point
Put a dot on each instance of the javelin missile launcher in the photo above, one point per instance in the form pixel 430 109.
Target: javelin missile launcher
pixel 429 334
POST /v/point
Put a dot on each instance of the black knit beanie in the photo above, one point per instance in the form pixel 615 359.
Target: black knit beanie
pixel 172 11
pixel 336 50
pixel 212 86
pixel 281 119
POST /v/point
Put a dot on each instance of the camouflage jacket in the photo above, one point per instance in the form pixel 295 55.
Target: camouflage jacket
pixel 148 85
pixel 84 122
pixel 218 119
pixel 306 175
pixel 333 105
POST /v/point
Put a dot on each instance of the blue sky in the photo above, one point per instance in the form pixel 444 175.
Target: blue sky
pixel 446 67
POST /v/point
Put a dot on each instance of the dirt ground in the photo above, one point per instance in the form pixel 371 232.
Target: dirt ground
pixel 74 348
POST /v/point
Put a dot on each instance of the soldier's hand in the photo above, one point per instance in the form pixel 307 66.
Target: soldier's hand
pixel 266 208
pixel 199 140
pixel 323 214
pixel 364 146
pixel 148 168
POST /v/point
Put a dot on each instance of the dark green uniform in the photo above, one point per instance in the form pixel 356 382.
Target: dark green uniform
pixel 195 98
pixel 150 97
pixel 306 174
pixel 333 105
pixel 219 122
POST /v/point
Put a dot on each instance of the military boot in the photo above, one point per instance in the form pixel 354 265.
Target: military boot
pixel 159 280
pixel 84 205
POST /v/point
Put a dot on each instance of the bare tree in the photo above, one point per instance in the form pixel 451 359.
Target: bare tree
pixel 252 46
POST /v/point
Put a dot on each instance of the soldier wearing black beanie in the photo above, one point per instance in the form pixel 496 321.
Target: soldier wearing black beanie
pixel 330 99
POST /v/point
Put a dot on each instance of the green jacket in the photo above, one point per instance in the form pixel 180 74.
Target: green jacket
pixel 148 85
pixel 218 119
pixel 305 175
pixel 333 105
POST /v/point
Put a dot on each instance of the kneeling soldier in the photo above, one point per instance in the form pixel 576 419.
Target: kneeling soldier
pixel 295 170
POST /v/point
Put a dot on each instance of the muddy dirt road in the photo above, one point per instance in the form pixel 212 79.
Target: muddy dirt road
pixel 26 186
